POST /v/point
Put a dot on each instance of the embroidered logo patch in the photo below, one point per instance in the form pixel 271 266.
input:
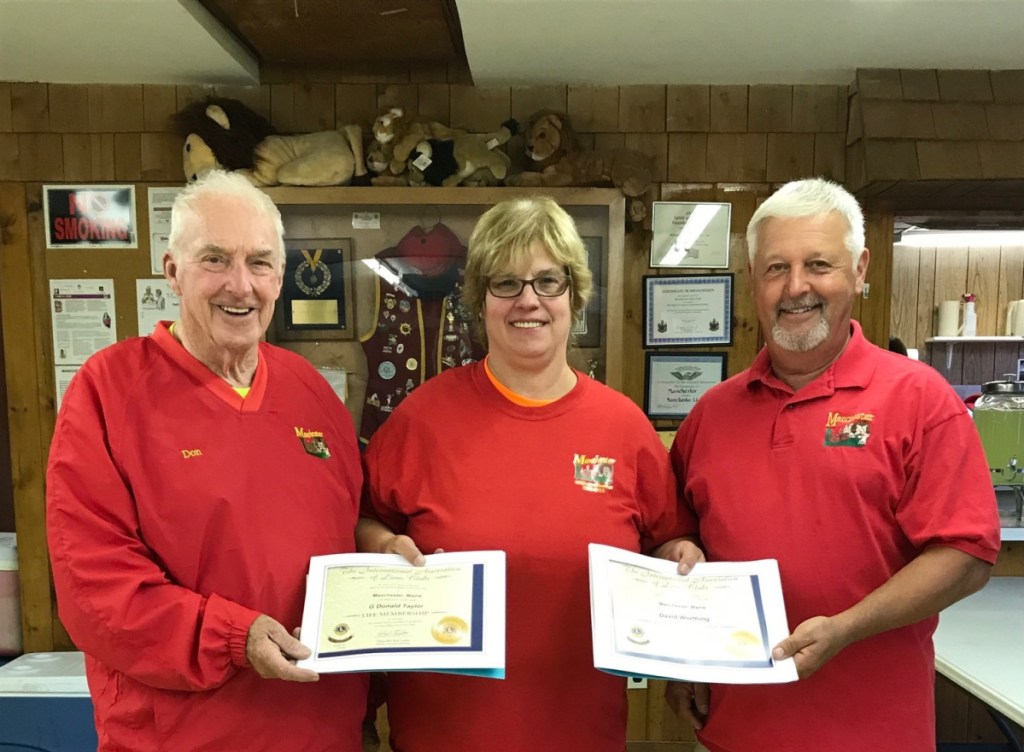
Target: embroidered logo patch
pixel 593 472
pixel 848 430
pixel 313 442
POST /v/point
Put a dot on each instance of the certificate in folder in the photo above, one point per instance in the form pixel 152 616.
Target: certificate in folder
pixel 717 624
pixel 377 612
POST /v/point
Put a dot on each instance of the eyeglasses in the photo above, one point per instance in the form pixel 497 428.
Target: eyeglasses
pixel 546 285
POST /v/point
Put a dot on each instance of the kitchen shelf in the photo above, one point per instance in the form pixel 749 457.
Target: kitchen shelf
pixel 950 341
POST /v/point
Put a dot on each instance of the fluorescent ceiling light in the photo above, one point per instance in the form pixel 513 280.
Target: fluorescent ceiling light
pixel 961 238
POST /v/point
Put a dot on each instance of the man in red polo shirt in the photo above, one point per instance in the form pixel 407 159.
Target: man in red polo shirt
pixel 860 471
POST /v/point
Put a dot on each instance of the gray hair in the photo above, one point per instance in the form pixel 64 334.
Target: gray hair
pixel 808 198
pixel 185 210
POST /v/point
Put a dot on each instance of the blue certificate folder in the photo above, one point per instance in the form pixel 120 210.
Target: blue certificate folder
pixel 377 612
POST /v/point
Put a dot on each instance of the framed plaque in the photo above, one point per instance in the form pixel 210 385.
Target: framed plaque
pixel 316 297
pixel 673 382
pixel 688 310
pixel 690 234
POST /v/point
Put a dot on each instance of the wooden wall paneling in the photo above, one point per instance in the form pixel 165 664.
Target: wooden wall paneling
pixel 69 108
pixel 22 277
pixel 1011 281
pixel 906 266
pixel 5 108
pixel 728 112
pixel 115 109
pixel 594 108
pixel 1011 560
pixel 526 100
pixel 160 157
pixel 312 107
pixel 434 103
pixel 1004 360
pixel 128 157
pixel 737 157
pixel 636 719
pixel 10 164
pixel 159 102
pixel 654 146
pixel 979 362
pixel 688 108
pixel 480 110
pixel 642 109
pixel 770 108
pixel 88 157
pixel 926 323
pixel 662 724
pixel 815 109
pixel 790 157
pixel 687 157
pixel 41 156
pixel 830 156
pixel 746 329
pixel 947 360
pixel 983 281
pixel 29 108
pixel 256 98
pixel 950 273
pixel 636 263
pixel 406 96
pixel 873 311
pixel 356 103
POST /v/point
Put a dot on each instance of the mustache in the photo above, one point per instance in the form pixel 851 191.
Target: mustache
pixel 807 300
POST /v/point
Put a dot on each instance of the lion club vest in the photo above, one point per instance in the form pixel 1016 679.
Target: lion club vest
pixel 419 325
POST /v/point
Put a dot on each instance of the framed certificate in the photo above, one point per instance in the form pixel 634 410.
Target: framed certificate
pixel 316 297
pixel 673 382
pixel 690 234
pixel 688 310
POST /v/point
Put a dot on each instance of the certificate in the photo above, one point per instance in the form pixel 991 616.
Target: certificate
pixel 674 382
pixel 717 624
pixel 687 310
pixel 687 234
pixel 377 612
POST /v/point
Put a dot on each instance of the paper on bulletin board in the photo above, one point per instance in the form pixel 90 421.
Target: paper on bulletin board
pixel 83 322
pixel 62 378
pixel 155 302
pixel 160 202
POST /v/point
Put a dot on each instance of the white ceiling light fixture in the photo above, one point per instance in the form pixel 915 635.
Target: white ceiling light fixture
pixel 960 238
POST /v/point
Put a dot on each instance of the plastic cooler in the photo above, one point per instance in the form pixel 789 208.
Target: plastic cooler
pixel 10 604
pixel 45 705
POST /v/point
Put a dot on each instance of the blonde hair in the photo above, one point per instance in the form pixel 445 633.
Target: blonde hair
pixel 501 242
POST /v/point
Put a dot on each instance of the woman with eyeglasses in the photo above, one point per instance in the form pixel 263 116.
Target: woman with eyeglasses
pixel 521 453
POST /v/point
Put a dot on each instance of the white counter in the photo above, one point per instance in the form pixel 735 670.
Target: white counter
pixel 979 645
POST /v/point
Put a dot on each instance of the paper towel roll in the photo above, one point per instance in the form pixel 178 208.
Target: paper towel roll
pixel 949 318
pixel 1015 319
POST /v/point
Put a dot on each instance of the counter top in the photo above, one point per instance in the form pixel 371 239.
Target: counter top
pixel 979 645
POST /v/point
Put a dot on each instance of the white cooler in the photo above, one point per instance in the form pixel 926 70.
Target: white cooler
pixel 45 705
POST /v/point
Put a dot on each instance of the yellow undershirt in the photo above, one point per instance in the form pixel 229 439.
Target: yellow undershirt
pixel 509 394
pixel 242 391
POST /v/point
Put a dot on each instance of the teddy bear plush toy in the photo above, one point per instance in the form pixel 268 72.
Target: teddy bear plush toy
pixel 462 158
pixel 224 133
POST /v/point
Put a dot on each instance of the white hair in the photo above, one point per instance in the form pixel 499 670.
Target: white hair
pixel 185 210
pixel 808 198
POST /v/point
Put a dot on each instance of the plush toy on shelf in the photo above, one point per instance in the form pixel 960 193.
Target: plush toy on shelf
pixel 553 157
pixel 225 133
pixel 395 135
pixel 464 158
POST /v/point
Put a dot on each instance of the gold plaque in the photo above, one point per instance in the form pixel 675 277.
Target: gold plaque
pixel 307 312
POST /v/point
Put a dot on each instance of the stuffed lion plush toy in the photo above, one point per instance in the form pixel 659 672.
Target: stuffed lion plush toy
pixel 395 135
pixel 224 133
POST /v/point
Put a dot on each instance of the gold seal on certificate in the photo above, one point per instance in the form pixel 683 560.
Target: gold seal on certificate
pixel 341 633
pixel 449 630
pixel 638 635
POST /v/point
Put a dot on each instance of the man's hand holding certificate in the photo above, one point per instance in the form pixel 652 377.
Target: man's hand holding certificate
pixel 377 612
pixel 716 624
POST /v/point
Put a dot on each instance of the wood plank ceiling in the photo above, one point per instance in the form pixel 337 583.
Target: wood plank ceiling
pixel 309 40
